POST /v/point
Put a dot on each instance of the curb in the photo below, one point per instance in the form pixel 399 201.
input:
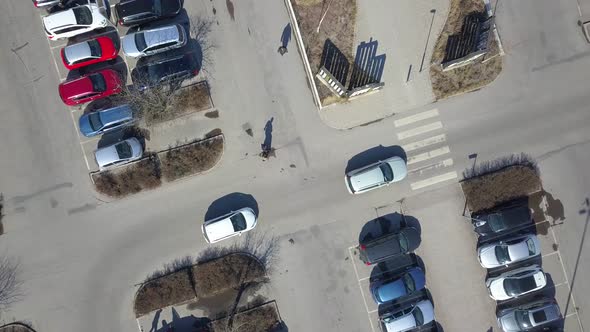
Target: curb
pixel 306 65
pixel 488 7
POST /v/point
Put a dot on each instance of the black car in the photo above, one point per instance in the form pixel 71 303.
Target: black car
pixel 502 220
pixel 166 70
pixel 403 241
pixel 134 12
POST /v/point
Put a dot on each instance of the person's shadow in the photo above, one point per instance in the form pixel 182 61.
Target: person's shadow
pixel 286 35
pixel 267 145
pixel 155 321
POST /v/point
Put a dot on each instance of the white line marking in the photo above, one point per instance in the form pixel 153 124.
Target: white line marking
pixel 440 164
pixel 549 254
pixel 56 46
pixel 81 147
pixel 415 118
pixel 433 180
pixel 573 313
pixel 428 155
pixel 361 288
pixel 424 143
pixel 372 311
pixel 560 284
pixel 94 139
pixel 54 62
pixel 419 130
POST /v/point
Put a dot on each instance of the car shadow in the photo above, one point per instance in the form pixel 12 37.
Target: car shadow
pixel 230 203
pixel 373 155
pixel 387 224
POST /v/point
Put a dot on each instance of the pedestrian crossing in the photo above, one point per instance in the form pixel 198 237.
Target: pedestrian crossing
pixel 425 144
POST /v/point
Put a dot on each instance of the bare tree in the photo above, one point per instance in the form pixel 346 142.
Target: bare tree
pixel 149 104
pixel 10 283
pixel 200 31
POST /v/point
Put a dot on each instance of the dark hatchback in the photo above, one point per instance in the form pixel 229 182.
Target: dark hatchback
pixel 170 70
pixel 134 12
pixel 501 220
pixel 405 240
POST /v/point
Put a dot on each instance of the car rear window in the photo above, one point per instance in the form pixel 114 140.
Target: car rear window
pixel 123 150
pixel 95 50
pixel 418 316
pixel 95 122
pixel 238 221
pixel 531 246
pixel 140 41
pixel 387 172
pixel 83 15
pixel 539 316
pixel 403 242
pixel 502 254
pixel 518 286
pixel 98 82
pixel 409 282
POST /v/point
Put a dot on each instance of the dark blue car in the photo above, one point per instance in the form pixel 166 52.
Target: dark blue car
pixel 411 280
pixel 105 120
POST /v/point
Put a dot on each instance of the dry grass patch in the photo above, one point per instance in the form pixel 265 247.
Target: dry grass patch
pixel 168 290
pixel 227 272
pixel 191 99
pixel 264 318
pixel 469 77
pixel 486 191
pixel 338 26
pixel 192 158
pixel 144 174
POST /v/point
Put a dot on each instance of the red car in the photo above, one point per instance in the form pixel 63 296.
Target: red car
pixel 90 87
pixel 88 52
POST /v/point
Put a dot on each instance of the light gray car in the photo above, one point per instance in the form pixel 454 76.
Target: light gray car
pixel 408 317
pixel 153 41
pixel 106 120
pixel 506 252
pixel 529 317
pixel 376 175
pixel 119 153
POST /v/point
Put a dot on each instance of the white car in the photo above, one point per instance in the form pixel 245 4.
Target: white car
pixel 408 317
pixel 376 175
pixel 74 21
pixel 516 283
pixel 119 153
pixel 506 252
pixel 153 41
pixel 231 224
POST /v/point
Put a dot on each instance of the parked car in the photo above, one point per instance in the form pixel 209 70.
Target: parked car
pixel 90 87
pixel 119 153
pixel 529 317
pixel 88 52
pixel 231 224
pixel 391 289
pixel 106 120
pixel 376 175
pixel 408 317
pixel 134 12
pixel 516 283
pixel 153 41
pixel 400 242
pixel 168 70
pixel 511 250
pixel 74 21
pixel 45 3
pixel 501 220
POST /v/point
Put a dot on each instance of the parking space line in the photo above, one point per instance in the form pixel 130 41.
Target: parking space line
pixel 573 313
pixel 549 254
pixel 372 311
pixel 91 140
pixel 424 143
pixel 428 155
pixel 419 130
pixel 81 147
pixel 415 118
pixel 54 62
pixel 356 273
pixel 444 163
pixel 433 180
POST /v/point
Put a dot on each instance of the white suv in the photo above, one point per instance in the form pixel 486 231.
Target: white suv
pixel 74 21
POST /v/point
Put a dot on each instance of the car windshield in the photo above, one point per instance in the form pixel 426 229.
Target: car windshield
pixel 123 150
pixel 387 172
pixel 409 282
pixel 140 41
pixel 95 50
pixel 403 242
pixel 502 254
pixel 83 15
pixel 522 318
pixel 531 246
pixel 418 316
pixel 515 287
pixel 496 222
pixel 157 7
pixel 238 221
pixel 95 122
pixel 98 83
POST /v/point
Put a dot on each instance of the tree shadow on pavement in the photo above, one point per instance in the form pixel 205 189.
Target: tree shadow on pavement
pixel 375 154
pixel 230 203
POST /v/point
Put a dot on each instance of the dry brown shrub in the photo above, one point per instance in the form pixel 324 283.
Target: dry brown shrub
pixel 132 179
pixel 227 272
pixel 168 290
pixel 191 158
pixel 263 318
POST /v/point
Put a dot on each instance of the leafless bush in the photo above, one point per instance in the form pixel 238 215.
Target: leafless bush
pixel 150 104
pixel 10 283
pixel 174 266
pixel 491 166
pixel 132 179
pixel 191 159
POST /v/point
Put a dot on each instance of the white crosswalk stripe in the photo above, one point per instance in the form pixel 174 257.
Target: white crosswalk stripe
pixel 427 157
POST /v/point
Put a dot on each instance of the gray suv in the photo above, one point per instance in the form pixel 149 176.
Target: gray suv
pixel 153 41
pixel 106 120
pixel 528 317
pixel 405 240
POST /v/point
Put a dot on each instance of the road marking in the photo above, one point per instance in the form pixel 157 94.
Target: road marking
pixel 372 311
pixel 549 254
pixel 81 147
pixel 94 139
pixel 419 130
pixel 573 313
pixel 415 118
pixel 428 155
pixel 445 163
pixel 424 143
pixel 433 180
pixel 560 284
pixel 361 288
pixel 54 62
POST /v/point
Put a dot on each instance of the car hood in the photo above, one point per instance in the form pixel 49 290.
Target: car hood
pixel 401 324
pixel 369 176
pixel 497 291
pixel 390 291
pixel 129 46
pixel 106 155
pixel 84 124
pixel 399 168
pixel 133 7
pixel 508 322
pixel 487 257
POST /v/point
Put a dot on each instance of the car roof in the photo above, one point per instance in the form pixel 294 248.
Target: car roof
pixel 77 51
pixel 108 154
pixel 161 35
pixel 407 322
pixel 546 313
pixel 367 178
pixel 115 114
pixel 520 250
pixel 219 229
